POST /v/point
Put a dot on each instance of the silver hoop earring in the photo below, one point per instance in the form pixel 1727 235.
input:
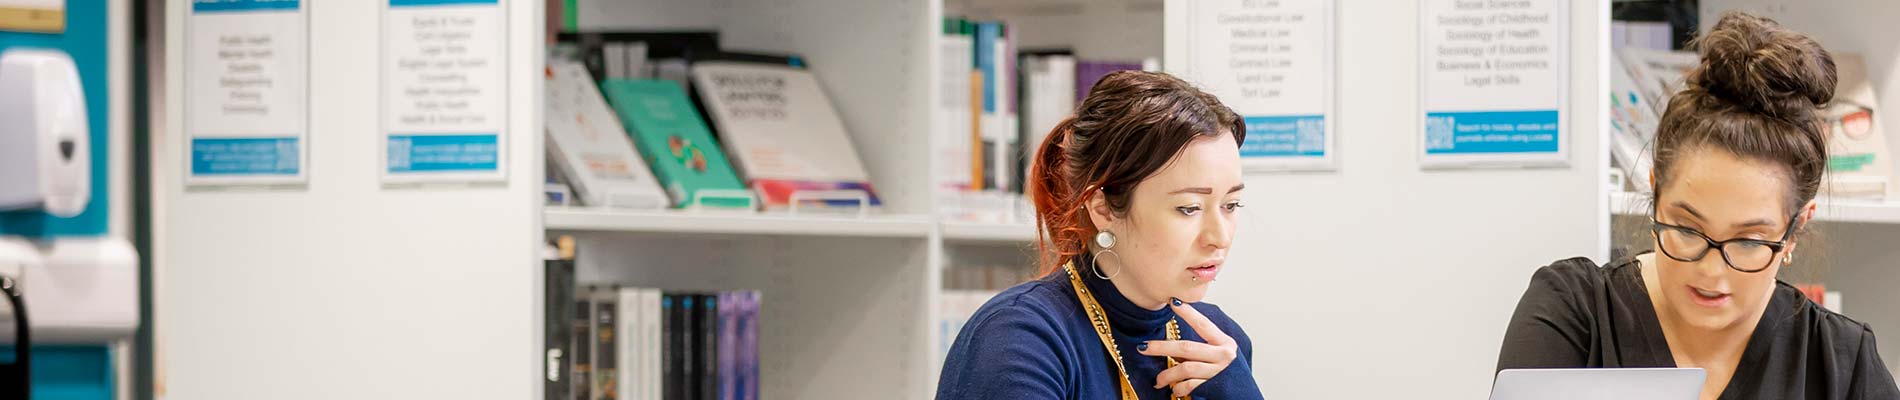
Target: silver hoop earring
pixel 1098 264
pixel 1106 240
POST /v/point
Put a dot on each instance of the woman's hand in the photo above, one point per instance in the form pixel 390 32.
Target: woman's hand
pixel 1198 361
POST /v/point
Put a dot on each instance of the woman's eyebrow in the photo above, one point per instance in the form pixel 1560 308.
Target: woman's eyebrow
pixel 1745 224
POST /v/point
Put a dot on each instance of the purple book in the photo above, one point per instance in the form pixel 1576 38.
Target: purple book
pixel 1087 72
pixel 749 341
pixel 728 345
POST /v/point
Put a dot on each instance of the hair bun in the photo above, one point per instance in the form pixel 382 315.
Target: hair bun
pixel 1753 63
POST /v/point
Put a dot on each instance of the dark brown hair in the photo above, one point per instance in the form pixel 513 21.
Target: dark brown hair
pixel 1757 94
pixel 1131 125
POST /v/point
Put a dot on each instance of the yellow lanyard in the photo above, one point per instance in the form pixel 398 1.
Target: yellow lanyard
pixel 1099 319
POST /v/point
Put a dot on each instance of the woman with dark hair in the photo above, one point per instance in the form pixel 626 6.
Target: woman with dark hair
pixel 1135 197
pixel 1740 154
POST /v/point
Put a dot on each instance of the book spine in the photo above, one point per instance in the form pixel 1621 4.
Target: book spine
pixel 654 346
pixel 583 371
pixel 559 321
pixel 671 351
pixel 752 347
pixel 709 347
pixel 728 344
pixel 606 356
pixel 626 346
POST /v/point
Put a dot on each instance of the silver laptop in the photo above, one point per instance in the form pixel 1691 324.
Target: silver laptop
pixel 1599 384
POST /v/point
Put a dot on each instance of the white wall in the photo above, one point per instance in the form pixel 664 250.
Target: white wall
pixel 1382 281
pixel 344 289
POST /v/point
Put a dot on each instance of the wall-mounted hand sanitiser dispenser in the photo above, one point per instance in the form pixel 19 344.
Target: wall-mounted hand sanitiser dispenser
pixel 45 153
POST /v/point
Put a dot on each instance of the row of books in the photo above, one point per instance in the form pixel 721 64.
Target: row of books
pixel 635 140
pixel 967 288
pixel 624 343
pixel 1860 165
pixel 954 311
pixel 1000 101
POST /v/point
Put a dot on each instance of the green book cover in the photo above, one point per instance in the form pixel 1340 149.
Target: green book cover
pixel 671 136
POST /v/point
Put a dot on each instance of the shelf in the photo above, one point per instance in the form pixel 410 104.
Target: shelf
pixel 675 221
pixel 979 232
pixel 1861 211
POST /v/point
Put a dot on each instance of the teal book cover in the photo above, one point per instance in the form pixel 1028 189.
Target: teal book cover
pixel 670 135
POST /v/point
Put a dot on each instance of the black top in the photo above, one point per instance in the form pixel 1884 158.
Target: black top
pixel 1577 315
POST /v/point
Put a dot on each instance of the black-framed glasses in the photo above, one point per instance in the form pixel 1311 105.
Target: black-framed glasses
pixel 1746 255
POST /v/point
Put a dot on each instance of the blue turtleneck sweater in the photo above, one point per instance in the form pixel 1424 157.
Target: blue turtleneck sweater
pixel 1033 342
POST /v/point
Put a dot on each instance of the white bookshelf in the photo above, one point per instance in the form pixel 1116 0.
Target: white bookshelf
pixel 588 219
pixel 989 233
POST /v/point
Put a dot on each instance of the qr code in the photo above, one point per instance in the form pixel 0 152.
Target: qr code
pixel 1438 132
pixel 398 154
pixel 287 156
pixel 1311 134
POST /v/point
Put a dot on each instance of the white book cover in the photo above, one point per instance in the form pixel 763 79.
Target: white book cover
pixel 953 135
pixel 587 142
pixel 781 131
pixel 1658 73
pixel 650 358
pixel 1860 165
pixel 1633 124
pixel 1051 92
pixel 631 377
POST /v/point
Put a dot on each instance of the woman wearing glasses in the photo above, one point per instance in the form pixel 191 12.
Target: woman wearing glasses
pixel 1739 158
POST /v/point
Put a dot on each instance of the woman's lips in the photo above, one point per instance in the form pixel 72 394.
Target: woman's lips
pixel 1708 298
pixel 1205 272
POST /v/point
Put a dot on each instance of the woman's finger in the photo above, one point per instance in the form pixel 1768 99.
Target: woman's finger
pixel 1200 323
pixel 1185 371
pixel 1183 388
pixel 1185 350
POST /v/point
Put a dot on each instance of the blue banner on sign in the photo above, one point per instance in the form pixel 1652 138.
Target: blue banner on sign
pixel 243 5
pixel 245 156
pixel 1285 136
pixel 428 3
pixel 443 153
pixel 1491 132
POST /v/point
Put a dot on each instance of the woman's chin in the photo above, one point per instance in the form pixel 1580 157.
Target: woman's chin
pixel 1194 294
pixel 1703 318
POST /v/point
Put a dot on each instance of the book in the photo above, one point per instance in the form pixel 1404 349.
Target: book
pixel 708 347
pixel 1047 94
pixel 952 139
pixel 728 345
pixel 606 349
pixel 670 134
pixel 998 124
pixel 559 316
pixel 582 372
pixel 782 133
pixel 1633 123
pixel 590 147
pixel 1087 72
pixel 1860 165
pixel 655 344
pixel 1658 73
pixel 675 347
pixel 627 348
pixel 749 346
